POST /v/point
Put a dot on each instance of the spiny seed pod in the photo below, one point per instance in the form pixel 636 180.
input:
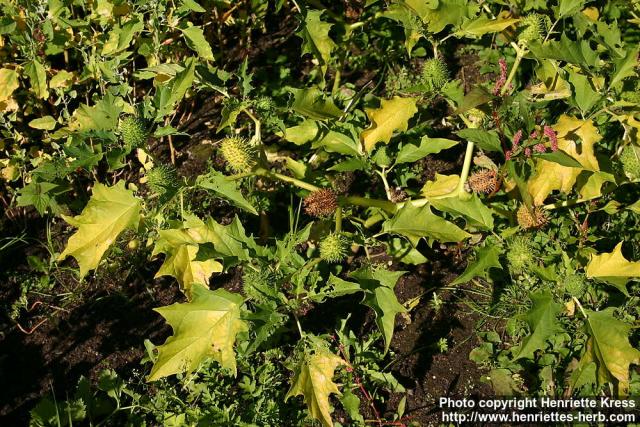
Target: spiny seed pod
pixel 333 248
pixel 263 104
pixel 435 73
pixel 133 131
pixel 574 285
pixel 535 218
pixel 484 181
pixel 519 255
pixel 630 159
pixel 321 203
pixel 533 27
pixel 162 179
pixel 238 154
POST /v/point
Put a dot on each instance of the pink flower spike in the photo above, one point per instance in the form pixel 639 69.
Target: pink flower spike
pixel 527 152
pixel 507 155
pixel 553 137
pixel 516 139
pixel 503 76
pixel 540 148
pixel 533 135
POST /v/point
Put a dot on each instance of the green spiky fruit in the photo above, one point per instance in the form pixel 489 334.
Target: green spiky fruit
pixel 533 27
pixel 574 285
pixel 133 131
pixel 435 73
pixel 519 255
pixel 264 104
pixel 333 248
pixel 630 159
pixel 162 179
pixel 238 154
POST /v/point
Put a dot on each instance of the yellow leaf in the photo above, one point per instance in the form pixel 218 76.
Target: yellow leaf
pixel 181 264
pixel 8 83
pixel 441 186
pixel 550 176
pixel 182 246
pixel 204 327
pixel 110 211
pixel 393 115
pixel 314 381
pixel 613 267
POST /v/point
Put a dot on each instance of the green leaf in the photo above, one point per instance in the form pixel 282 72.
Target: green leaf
pixel 336 287
pixel 103 116
pixel 313 379
pixel 609 348
pixel 486 139
pixel 574 52
pixel 110 211
pixel 167 97
pixel 120 37
pixel 381 298
pixel 311 103
pixel 410 153
pixel 486 258
pixel 351 404
pixel 302 133
pixel 392 116
pixel 37 77
pixel 542 322
pixel 335 142
pixel 583 91
pixel 8 83
pixel 482 25
pixel 612 267
pixel 568 7
pixel 470 207
pixel 223 187
pixel 197 42
pixel 205 327
pixel 624 67
pixel 38 194
pixel 230 114
pixel 417 222
pixel 44 123
pixel 404 252
pixel 559 157
pixel 315 38
pixel 449 12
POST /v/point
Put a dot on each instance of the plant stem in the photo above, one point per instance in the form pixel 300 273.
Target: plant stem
pixel 238 176
pixel 383 175
pixel 257 138
pixel 338 227
pixel 370 203
pixel 466 166
pixel 520 52
pixel 285 178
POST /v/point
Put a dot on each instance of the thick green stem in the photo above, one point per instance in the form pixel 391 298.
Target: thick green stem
pixel 257 138
pixel 285 178
pixel 466 166
pixel 520 52
pixel 338 227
